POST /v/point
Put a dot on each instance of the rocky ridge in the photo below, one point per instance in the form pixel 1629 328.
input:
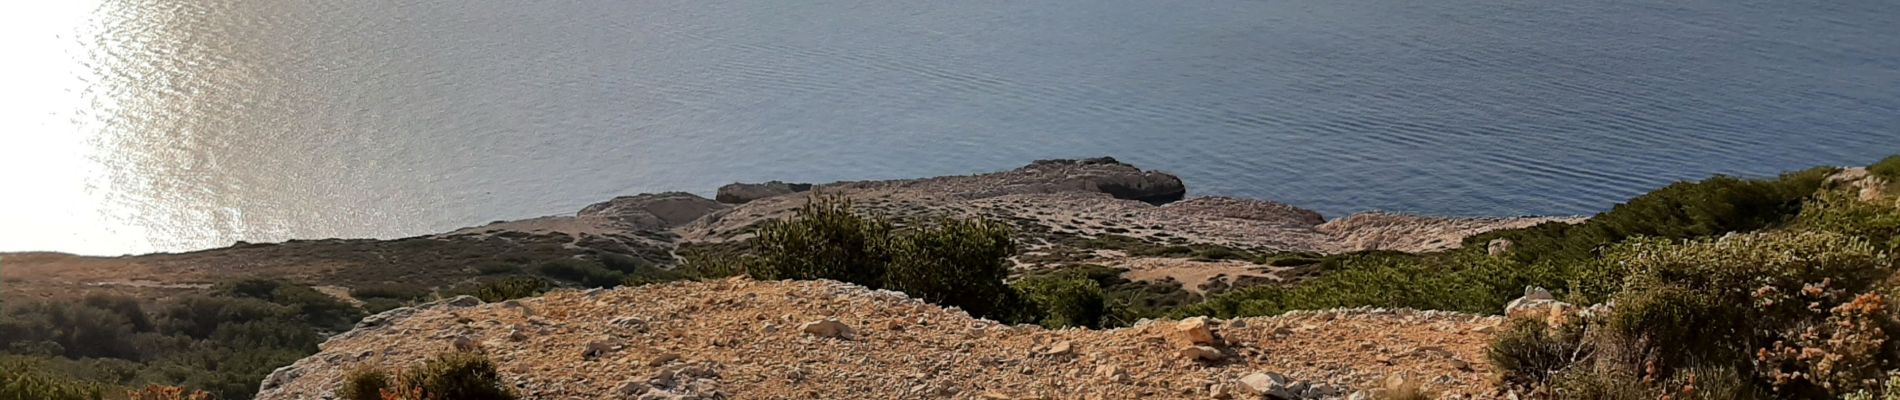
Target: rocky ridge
pixel 1058 207
pixel 744 339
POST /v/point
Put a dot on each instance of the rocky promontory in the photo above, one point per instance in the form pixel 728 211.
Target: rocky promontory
pixel 1097 211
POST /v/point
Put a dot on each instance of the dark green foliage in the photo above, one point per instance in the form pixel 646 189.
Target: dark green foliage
pixel 497 268
pixel 1887 168
pixel 584 272
pixel 824 241
pixel 199 316
pixel 22 379
pixel 1528 351
pixel 1682 210
pixel 377 305
pixel 393 291
pixel 222 343
pixel 318 309
pixel 501 289
pixel 458 375
pixel 1877 221
pixel 624 263
pixel 1065 302
pixel 1797 314
pixel 961 263
pixel 1125 301
pixel 364 383
pixel 1722 301
pixel 76 330
pixel 1461 281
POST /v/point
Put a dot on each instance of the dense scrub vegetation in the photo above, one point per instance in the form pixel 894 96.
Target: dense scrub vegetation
pixel 956 263
pixel 226 341
pixel 223 343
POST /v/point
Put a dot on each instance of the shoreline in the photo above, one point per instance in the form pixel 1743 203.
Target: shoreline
pixel 1064 212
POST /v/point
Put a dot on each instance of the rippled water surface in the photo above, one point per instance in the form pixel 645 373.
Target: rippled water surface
pixel 142 125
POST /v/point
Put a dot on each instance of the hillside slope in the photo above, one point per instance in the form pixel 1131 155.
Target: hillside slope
pixel 740 338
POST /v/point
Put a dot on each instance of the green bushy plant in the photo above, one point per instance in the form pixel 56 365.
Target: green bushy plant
pixel 1877 220
pixel 1065 302
pixel 365 383
pixel 1795 314
pixel 1713 206
pixel 501 289
pixel 584 272
pixel 961 263
pixel 322 310
pixel 1528 351
pixel 1461 281
pixel 462 375
pixel 25 380
pixel 1888 168
pixel 825 240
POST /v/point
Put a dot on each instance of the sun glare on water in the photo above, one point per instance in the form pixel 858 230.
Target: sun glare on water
pixel 53 191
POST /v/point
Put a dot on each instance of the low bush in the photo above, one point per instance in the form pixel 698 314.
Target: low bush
pixel 497 267
pixel 223 343
pixel 1065 302
pixel 958 263
pixel 365 383
pixel 1794 314
pixel 458 375
pixel 1528 351
pixel 1681 210
pixel 1124 301
pixel 394 291
pixel 961 263
pixel 580 271
pixel 322 310
pixel 1877 221
pixel 26 380
pixel 824 240
pixel 501 289
pixel 1888 168
pixel 1461 281
pixel 162 392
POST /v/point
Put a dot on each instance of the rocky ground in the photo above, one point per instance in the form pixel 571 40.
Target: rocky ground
pixel 744 339
pixel 1066 212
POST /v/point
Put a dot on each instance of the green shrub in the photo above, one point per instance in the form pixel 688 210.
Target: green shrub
pixel 1528 352
pixel 321 310
pixel 1065 302
pixel 1877 221
pixel 1888 168
pixel 1710 207
pixel 584 272
pixel 199 316
pixel 960 263
pixel 625 263
pixel 501 289
pixel 364 383
pixel 76 330
pixel 23 380
pixel 457 375
pixel 497 268
pixel 1793 313
pixel 1463 281
pixel 1124 301
pixel 824 240
pixel 377 305
pixel 395 291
